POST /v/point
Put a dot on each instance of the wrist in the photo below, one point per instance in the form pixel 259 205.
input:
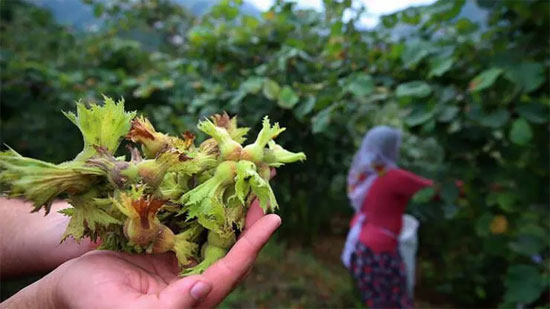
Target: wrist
pixel 40 294
pixel 42 245
pixel 30 240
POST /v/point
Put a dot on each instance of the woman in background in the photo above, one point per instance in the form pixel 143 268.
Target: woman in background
pixel 379 192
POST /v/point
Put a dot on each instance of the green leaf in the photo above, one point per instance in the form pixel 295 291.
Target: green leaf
pixel 209 213
pixel 507 200
pixel 389 21
pixel 305 107
pixel 449 192
pixel 99 8
pixel 482 225
pixel 423 196
pixel 449 210
pixel 415 51
pixel 271 89
pixel 143 91
pixel 199 35
pixel 277 156
pixel 41 182
pixel 361 85
pixel 103 126
pixel 239 96
pixel 287 98
pixel 527 245
pixel 445 10
pixel 417 89
pixel 480 292
pixel 250 22
pixel 532 229
pixel 419 115
pixel 534 112
pixel 428 126
pixel 485 79
pixel 521 133
pixel 86 218
pixel 448 113
pixel 464 26
pixel 526 75
pixel 263 192
pixel 495 119
pixel 253 84
pixel 440 65
pixel 523 284
pixel 411 17
pixel 320 122
pixel 205 202
pixel 235 213
pixel 184 242
pixel 245 170
pixel 224 9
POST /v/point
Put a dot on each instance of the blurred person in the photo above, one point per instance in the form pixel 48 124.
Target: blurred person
pixel 379 192
pixel 86 278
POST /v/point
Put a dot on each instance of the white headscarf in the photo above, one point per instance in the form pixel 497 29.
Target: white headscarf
pixel 380 148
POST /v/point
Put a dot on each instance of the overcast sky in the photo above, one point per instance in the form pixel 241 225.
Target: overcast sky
pixel 375 8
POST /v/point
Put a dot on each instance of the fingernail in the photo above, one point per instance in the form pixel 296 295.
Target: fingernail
pixel 200 289
pixel 278 221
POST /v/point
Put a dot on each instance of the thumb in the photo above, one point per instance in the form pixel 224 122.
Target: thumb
pixel 185 292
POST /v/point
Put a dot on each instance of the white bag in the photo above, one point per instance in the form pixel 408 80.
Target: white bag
pixel 351 241
pixel 408 244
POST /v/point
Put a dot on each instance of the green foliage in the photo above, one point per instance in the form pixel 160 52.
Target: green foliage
pixel 520 133
pixel 303 280
pixel 524 283
pixel 287 98
pixel 85 214
pixel 417 89
pixel 103 126
pixel 470 95
pixel 424 196
pixel 485 79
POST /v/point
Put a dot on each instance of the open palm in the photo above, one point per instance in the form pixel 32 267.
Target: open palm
pixel 112 279
pixel 101 279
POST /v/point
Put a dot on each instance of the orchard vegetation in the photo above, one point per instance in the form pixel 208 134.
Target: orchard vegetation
pixel 471 96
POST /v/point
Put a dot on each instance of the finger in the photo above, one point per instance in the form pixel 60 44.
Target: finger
pixel 273 173
pixel 163 265
pixel 227 272
pixel 253 239
pixel 247 273
pixel 185 293
pixel 255 212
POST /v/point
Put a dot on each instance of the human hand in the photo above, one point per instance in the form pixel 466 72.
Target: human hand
pixel 48 233
pixel 31 241
pixel 228 272
pixel 113 279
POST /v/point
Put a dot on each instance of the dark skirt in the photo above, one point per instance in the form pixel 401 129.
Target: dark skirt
pixel 381 278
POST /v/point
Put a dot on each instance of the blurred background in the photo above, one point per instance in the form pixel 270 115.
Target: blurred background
pixel 466 81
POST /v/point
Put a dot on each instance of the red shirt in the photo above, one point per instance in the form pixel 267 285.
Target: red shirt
pixel 384 206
